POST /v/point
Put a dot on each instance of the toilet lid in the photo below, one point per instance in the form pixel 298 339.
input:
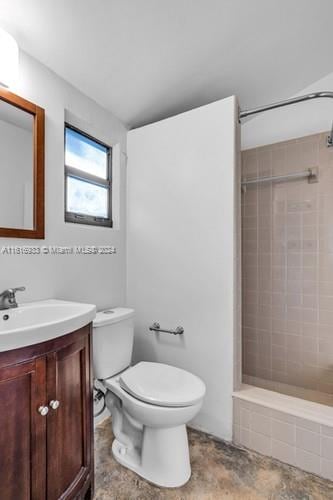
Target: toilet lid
pixel 162 385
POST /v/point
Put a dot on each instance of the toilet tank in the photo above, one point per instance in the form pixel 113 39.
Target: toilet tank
pixel 113 333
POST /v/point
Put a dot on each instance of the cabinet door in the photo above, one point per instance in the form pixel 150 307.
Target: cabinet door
pixel 69 426
pixel 22 431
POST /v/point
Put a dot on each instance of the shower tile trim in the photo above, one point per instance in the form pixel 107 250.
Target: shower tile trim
pixel 301 408
pixel 289 390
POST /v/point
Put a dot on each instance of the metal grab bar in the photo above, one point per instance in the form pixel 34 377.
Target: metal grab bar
pixel 311 174
pixel 155 327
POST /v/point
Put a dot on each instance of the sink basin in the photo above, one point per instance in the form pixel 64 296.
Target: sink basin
pixel 36 322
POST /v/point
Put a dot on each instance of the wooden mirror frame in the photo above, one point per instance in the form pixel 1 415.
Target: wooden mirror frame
pixel 37 232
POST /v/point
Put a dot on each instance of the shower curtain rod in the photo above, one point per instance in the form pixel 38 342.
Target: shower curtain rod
pixel 311 174
pixel 280 104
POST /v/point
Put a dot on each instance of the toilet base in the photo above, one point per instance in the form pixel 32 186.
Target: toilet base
pixel 163 458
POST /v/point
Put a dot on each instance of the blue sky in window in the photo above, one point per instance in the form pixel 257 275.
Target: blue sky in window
pixel 85 154
pixel 86 198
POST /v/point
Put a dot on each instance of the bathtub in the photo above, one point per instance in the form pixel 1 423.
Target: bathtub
pixel 293 430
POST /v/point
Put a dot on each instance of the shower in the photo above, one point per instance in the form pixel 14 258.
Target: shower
pixel 287 264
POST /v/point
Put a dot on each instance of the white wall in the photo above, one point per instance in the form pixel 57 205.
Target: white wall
pixel 95 279
pixel 181 248
pixel 292 121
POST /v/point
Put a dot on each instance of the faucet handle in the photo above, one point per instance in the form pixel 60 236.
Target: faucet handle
pixel 8 298
pixel 18 289
pixel 12 291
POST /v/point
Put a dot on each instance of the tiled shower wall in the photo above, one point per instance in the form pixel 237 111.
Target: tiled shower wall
pixel 287 262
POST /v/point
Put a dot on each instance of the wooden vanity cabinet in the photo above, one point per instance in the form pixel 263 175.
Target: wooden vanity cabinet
pixel 46 421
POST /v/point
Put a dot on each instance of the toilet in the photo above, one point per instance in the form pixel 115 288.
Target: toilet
pixel 150 403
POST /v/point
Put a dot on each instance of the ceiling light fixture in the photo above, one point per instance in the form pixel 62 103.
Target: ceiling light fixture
pixel 9 54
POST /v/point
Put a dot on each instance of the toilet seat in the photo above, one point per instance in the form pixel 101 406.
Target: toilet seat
pixel 162 385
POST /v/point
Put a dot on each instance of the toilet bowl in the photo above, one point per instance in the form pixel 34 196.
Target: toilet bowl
pixel 150 404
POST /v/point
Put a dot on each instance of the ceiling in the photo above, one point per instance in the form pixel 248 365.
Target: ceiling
pixel 148 59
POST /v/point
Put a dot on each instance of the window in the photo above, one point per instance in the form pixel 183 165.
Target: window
pixel 88 183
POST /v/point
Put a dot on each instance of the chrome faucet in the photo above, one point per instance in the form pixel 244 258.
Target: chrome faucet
pixel 8 298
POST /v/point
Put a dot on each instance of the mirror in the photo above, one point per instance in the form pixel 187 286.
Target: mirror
pixel 21 167
pixel 16 167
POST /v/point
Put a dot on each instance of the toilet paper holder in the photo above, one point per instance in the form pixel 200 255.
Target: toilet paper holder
pixel 156 327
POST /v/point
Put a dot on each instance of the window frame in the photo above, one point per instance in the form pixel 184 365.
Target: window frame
pixel 76 173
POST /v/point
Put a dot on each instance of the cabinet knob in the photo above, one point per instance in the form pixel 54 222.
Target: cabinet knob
pixel 43 410
pixel 54 404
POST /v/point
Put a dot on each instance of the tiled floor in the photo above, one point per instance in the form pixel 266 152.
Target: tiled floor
pixel 219 471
